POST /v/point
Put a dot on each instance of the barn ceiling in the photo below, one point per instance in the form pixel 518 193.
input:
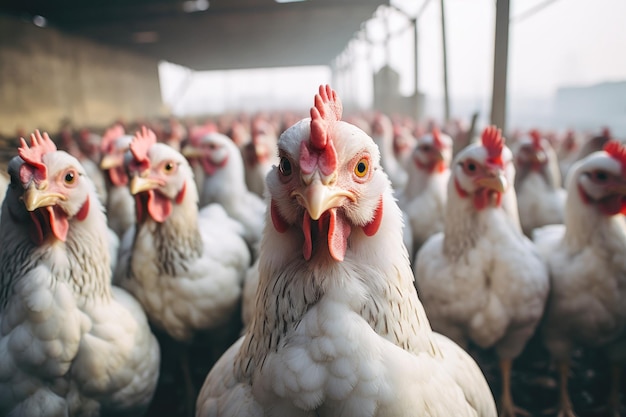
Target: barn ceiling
pixel 210 34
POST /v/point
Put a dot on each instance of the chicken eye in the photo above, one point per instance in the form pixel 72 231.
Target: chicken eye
pixel 169 167
pixel 471 167
pixel 285 166
pixel 601 176
pixel 361 167
pixel 70 177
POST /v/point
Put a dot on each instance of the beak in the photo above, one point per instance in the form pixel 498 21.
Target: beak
pixel 34 198
pixel 438 155
pixel 108 162
pixel 140 184
pixel 190 152
pixel 618 187
pixel 494 181
pixel 318 198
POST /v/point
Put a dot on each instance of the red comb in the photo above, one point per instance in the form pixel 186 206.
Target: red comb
pixel 617 151
pixel 109 137
pixel 140 146
pixel 536 137
pixel 33 155
pixel 437 138
pixel 494 143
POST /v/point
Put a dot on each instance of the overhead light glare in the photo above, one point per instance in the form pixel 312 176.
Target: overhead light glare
pixel 40 21
pixel 193 6
pixel 289 1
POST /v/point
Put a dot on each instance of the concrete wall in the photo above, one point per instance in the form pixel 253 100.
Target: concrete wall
pixel 47 75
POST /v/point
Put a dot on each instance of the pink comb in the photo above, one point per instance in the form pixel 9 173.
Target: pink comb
pixel 617 151
pixel 319 150
pixel 33 155
pixel 536 138
pixel 324 114
pixel 109 137
pixel 437 138
pixel 494 143
pixel 141 144
pixel 198 132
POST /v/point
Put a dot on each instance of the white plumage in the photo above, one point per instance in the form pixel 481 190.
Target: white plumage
pixel 224 183
pixel 540 197
pixel 482 280
pixel 185 266
pixel 338 328
pixel 120 205
pixel 425 194
pixel 382 134
pixel 70 344
pixel 587 263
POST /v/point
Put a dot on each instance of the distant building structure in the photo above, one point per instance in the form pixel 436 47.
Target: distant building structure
pixel 592 107
pixel 387 97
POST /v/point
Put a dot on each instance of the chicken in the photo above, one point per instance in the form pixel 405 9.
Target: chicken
pixel 195 134
pixel 403 144
pixel 588 267
pixel 482 280
pixel 338 328
pixel 540 198
pixel 424 197
pixel 185 266
pixel 70 343
pixel 382 133
pixel 259 155
pixel 567 151
pixel 225 184
pixel 120 204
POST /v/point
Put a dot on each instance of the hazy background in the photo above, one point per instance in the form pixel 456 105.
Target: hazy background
pixel 567 43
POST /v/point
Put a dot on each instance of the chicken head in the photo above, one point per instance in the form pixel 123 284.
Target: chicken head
pixel 49 185
pixel 328 182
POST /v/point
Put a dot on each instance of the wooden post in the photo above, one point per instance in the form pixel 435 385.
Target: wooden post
pixel 446 95
pixel 500 63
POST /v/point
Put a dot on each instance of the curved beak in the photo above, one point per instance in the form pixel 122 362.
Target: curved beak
pixel 34 198
pixel 317 198
pixel 437 154
pixel 140 184
pixel 494 181
pixel 189 151
pixel 618 186
pixel 109 161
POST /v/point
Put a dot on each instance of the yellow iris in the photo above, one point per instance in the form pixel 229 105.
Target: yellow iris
pixel 361 167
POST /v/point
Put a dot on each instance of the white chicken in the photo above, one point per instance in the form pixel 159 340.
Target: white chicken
pixel 482 280
pixel 338 328
pixel 120 205
pixel 540 198
pixel 70 344
pixel 225 184
pixel 259 155
pixel 587 263
pixel 185 266
pixel 425 194
pixel 195 134
pixel 382 134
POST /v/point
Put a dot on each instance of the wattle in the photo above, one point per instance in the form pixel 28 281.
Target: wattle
pixel 48 220
pixel 154 204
